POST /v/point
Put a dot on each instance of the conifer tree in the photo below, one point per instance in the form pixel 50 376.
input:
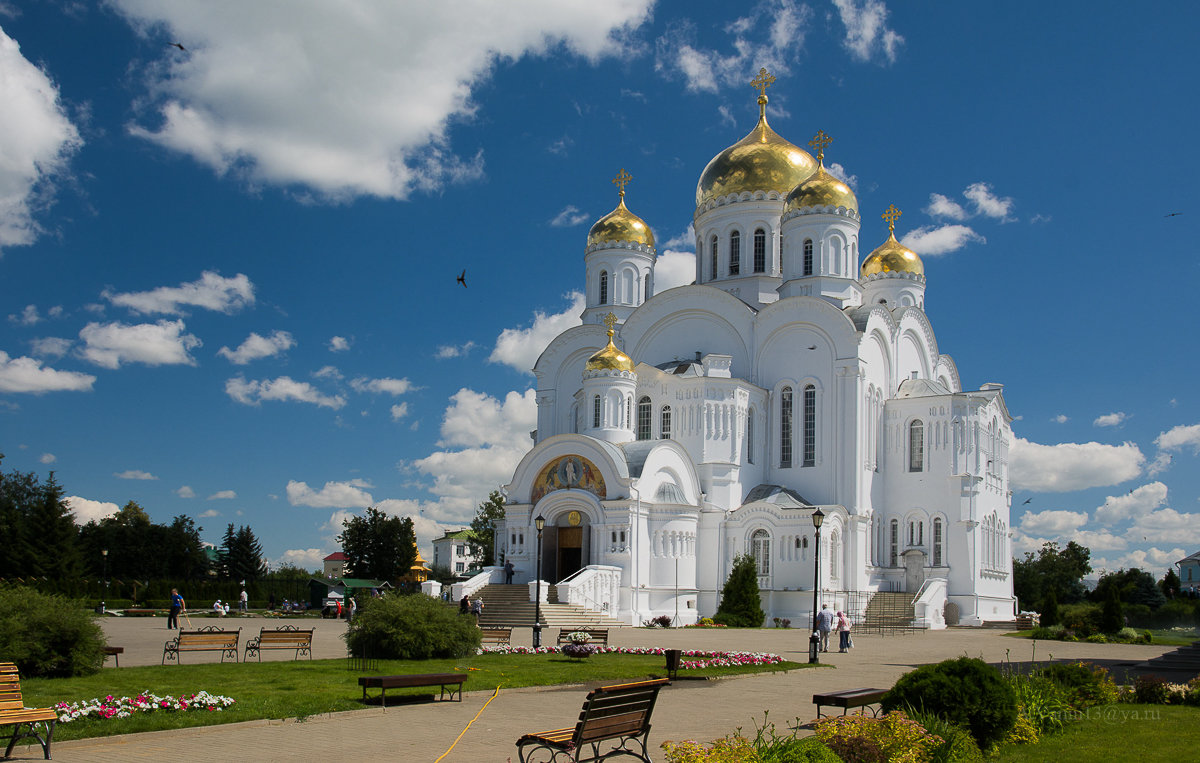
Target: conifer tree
pixel 741 606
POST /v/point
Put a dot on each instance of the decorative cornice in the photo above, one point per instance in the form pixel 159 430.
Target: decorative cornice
pixel 734 198
pixel 823 210
pixel 630 246
pixel 918 277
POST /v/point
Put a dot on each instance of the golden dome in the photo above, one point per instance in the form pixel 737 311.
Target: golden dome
pixel 761 161
pixel 821 189
pixel 621 225
pixel 892 256
pixel 610 358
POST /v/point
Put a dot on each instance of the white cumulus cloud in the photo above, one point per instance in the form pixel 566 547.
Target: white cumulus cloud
pixel 674 268
pixel 26 374
pixel 447 351
pixel 399 411
pixel 988 203
pixel 134 474
pixel 1136 503
pixel 154 344
pixel 520 348
pixel 47 458
pixel 944 206
pixel 940 239
pixel 348 98
pixel 866 29
pixel 385 385
pixel 37 141
pixel 1053 522
pixel 257 346
pixel 223 495
pixel 283 388
pixel 1114 419
pixel 1180 437
pixel 185 492
pixel 51 347
pixel 87 510
pixel 570 216
pixel 1072 465
pixel 338 344
pixel 334 495
pixel 211 292
pixel 304 558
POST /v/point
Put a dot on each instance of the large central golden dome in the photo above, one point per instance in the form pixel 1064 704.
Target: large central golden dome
pixel 761 161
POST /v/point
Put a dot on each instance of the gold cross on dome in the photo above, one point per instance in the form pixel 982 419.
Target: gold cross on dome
pixel 763 81
pixel 892 215
pixel 621 180
pixel 610 320
pixel 819 142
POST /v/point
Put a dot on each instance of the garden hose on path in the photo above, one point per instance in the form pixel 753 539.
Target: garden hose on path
pixel 460 734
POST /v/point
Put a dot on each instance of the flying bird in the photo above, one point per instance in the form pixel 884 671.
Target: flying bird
pixel 462 279
pixel 1173 214
pixel 177 45
pixel 813 347
pixel 1027 500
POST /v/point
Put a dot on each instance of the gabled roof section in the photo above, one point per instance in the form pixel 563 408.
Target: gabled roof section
pixel 456 535
pixel 921 388
pixel 1193 558
pixel 336 556
pixel 669 492
pixel 636 453
pixel 781 496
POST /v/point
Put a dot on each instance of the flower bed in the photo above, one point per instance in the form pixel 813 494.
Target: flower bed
pixel 691 659
pixel 123 707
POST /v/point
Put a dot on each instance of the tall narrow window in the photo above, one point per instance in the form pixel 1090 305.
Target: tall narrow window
pixel 912 533
pixel 760 549
pixel 835 542
pixel 713 258
pixel 937 542
pixel 735 253
pixel 604 287
pixel 643 419
pixel 916 446
pixel 750 437
pixel 920 533
pixel 760 251
pixel 785 428
pixel 894 544
pixel 665 423
pixel 808 257
pixel 646 288
pixel 810 426
pixel 595 411
pixel 628 414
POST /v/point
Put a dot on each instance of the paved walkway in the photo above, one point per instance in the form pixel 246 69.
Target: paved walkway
pixel 701 710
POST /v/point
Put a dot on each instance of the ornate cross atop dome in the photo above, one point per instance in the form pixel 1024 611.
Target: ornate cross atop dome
pixel 621 180
pixel 818 143
pixel 763 81
pixel 610 320
pixel 892 215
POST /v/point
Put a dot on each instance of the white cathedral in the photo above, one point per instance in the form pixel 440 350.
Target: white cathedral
pixel 679 429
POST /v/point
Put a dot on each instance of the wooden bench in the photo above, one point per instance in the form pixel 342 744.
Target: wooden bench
pixel 496 636
pixel 597 635
pixel 283 637
pixel 115 652
pixel 207 639
pixel 452 680
pixel 849 698
pixel 14 713
pixel 620 714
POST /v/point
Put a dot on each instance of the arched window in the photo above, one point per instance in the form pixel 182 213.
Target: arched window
pixel 808 257
pixel 937 542
pixel 760 549
pixel 646 288
pixel 894 544
pixel 595 411
pixel 760 251
pixel 713 258
pixel 916 446
pixel 835 543
pixel 665 423
pixel 643 419
pixel 604 287
pixel 735 253
pixel 785 428
pixel 810 426
pixel 750 437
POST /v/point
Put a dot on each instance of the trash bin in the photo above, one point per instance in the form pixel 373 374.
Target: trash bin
pixel 673 657
pixel 814 646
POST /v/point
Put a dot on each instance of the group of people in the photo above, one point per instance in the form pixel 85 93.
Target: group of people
pixel 826 622
pixel 473 606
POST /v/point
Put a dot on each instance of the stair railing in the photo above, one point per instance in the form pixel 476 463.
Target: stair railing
pixel 595 588
pixel 471 587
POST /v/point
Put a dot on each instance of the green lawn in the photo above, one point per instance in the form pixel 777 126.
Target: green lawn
pixel 1160 637
pixel 1142 733
pixel 306 688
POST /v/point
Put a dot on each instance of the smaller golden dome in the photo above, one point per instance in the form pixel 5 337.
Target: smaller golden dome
pixel 892 256
pixel 621 225
pixel 610 358
pixel 821 189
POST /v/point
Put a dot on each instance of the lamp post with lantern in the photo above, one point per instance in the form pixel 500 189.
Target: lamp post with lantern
pixel 540 523
pixel 814 641
pixel 104 577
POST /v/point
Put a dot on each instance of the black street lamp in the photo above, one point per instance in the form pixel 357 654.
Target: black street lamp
pixel 104 576
pixel 540 522
pixel 814 641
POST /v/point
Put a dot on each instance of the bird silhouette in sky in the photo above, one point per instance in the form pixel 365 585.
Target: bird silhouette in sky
pixel 177 45
pixel 1173 214
pixel 1027 500
pixel 462 279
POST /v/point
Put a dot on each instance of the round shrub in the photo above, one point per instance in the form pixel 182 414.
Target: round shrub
pixel 966 691
pixel 410 627
pixel 1084 685
pixel 50 636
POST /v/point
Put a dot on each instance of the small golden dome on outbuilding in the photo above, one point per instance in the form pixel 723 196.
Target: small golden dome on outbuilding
pixel 621 225
pixel 892 256
pixel 609 358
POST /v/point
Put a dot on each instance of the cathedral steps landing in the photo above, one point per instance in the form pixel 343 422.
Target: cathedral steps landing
pixel 889 611
pixel 508 606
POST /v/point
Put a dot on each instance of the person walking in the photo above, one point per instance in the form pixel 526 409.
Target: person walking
pixel 824 626
pixel 177 606
pixel 508 572
pixel 464 606
pixel 843 626
pixel 477 608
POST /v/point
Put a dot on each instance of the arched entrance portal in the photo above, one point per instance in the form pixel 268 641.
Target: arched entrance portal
pixel 565 545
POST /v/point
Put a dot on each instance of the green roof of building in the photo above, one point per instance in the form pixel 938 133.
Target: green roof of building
pixel 458 535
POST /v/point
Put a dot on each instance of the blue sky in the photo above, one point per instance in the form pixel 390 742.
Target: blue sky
pixel 227 273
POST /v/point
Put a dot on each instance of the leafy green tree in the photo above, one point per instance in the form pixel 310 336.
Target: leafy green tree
pixel 377 545
pixel 1169 585
pixel 1133 586
pixel 1112 616
pixel 741 606
pixel 184 550
pixel 483 528
pixel 1053 569
pixel 1050 610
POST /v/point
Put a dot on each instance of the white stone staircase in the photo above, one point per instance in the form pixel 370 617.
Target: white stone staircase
pixel 508 606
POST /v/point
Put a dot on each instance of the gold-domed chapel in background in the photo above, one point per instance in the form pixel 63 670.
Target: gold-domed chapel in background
pixel 680 428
